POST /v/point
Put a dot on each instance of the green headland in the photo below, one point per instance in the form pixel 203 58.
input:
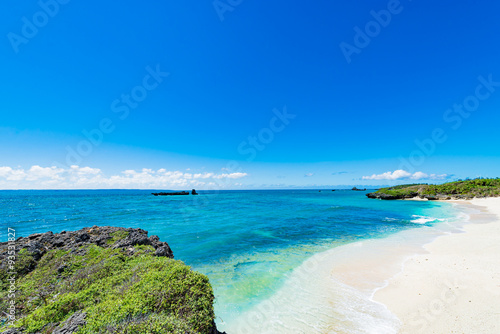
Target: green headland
pixel 461 189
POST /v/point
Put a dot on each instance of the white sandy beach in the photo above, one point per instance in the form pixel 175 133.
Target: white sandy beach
pixel 450 285
pixel 455 286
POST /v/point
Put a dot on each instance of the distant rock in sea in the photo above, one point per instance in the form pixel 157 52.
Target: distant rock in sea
pixel 172 193
pixel 175 193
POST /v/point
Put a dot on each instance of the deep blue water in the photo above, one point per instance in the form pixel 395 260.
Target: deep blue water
pixel 245 241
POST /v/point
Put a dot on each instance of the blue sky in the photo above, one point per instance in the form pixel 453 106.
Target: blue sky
pixel 254 94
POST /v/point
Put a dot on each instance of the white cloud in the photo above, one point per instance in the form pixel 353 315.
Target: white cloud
pixel 230 176
pixel 439 176
pixel 76 177
pixel 418 176
pixel 36 173
pixel 203 176
pixel 308 174
pixel 396 175
pixel 404 175
pixel 4 171
pixel 12 174
pixel 84 170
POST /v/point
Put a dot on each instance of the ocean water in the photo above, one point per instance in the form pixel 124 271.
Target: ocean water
pixel 269 254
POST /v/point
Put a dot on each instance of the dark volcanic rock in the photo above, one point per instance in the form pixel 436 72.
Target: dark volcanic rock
pixel 103 236
pixel 429 197
pixel 164 251
pixel 383 196
pixel 135 237
pixel 390 197
pixel 171 194
pixel 12 331
pixel 36 249
pixel 467 197
pixel 72 324
pixel 443 197
pixel 37 245
pixel 215 331
pixel 437 197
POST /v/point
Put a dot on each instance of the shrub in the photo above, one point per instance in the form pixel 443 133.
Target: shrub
pixel 138 293
pixel 476 187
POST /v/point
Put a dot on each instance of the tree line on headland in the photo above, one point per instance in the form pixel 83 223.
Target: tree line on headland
pixel 461 189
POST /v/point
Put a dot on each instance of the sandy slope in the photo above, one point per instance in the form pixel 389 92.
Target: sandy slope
pixel 455 287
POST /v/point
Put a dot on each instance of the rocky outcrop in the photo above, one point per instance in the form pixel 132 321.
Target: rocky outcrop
pixel 455 190
pixel 437 197
pixel 388 197
pixel 12 331
pixel 77 320
pixel 104 236
pixel 445 197
pixel 176 193
pixel 171 194
pixel 82 262
pixel 357 189
pixel 71 325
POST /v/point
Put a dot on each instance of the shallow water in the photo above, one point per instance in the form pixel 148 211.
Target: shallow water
pixel 251 244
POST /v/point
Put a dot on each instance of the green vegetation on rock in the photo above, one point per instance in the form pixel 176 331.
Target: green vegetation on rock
pixel 119 290
pixel 473 188
pixel 462 189
pixel 118 235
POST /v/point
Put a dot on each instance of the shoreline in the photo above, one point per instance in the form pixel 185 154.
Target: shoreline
pixel 333 290
pixel 371 286
pixel 455 285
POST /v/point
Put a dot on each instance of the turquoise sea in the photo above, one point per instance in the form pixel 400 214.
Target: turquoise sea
pixel 249 243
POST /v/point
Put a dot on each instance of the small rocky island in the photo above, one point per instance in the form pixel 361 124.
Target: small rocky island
pixel 100 279
pixel 176 193
pixel 461 189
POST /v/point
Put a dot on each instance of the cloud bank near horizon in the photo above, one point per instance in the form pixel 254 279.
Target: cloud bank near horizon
pixel 76 177
pixel 404 175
